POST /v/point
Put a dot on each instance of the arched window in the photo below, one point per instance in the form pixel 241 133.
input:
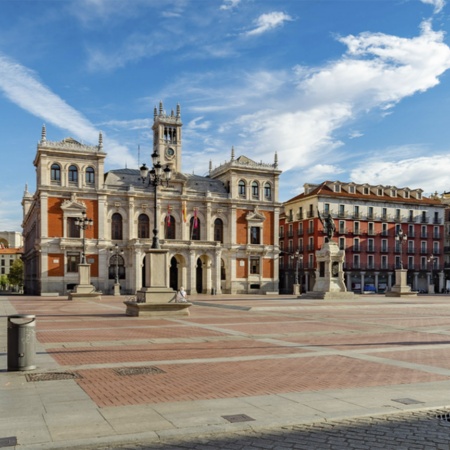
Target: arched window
pixel 255 189
pixel 116 263
pixel 116 227
pixel 55 173
pixel 143 227
pixel 194 230
pixel 73 174
pixel 218 230
pixel 90 175
pixel 268 191
pixel 170 227
pixel 241 188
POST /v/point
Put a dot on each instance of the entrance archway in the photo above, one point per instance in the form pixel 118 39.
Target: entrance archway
pixel 199 276
pixel 173 274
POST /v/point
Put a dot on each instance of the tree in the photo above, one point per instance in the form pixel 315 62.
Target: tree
pixel 3 282
pixel 15 275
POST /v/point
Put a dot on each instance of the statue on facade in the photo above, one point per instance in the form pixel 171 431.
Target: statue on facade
pixel 329 226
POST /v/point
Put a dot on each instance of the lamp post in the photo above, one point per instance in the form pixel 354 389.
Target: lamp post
pixel 431 286
pixel 116 251
pixel 157 176
pixel 83 223
pixel 401 239
pixel 297 289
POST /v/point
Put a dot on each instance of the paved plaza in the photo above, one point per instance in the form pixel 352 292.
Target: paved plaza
pixel 246 372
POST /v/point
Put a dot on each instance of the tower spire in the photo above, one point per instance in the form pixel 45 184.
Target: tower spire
pixel 232 153
pixel 100 141
pixel 43 134
pixel 275 162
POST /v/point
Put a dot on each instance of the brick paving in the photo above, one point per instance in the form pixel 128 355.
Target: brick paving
pixel 234 348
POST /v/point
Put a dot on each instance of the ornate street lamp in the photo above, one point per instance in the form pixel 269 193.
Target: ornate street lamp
pixel 157 176
pixel 116 251
pixel 297 266
pixel 401 239
pixel 83 223
pixel 431 260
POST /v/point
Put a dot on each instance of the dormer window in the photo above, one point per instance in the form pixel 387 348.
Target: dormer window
pixel 366 191
pixel 380 191
pixel 351 189
pixel 406 194
pixel 393 193
pixel 337 188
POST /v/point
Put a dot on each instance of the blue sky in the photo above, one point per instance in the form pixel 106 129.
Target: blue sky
pixel 354 90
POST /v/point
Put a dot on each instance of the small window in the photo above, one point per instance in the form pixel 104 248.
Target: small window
pixel 254 265
pixel 241 188
pixel 73 231
pixel 351 189
pixel 337 188
pixel 255 235
pixel 255 189
pixel 218 230
pixel 116 227
pixel 73 260
pixel 90 175
pixel 55 173
pixel 366 191
pixel 143 226
pixel 268 191
pixel 73 174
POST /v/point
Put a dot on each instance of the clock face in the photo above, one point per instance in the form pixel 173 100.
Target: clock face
pixel 170 152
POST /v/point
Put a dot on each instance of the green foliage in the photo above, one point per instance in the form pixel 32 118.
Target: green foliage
pixel 3 281
pixel 15 275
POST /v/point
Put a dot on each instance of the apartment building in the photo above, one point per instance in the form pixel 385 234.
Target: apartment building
pixel 368 219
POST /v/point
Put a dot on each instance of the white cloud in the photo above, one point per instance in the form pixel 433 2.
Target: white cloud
pixel 266 22
pixel 321 172
pixel 22 87
pixel 379 70
pixel 229 4
pixel 438 4
pixel 195 124
pixel 376 72
pixel 428 173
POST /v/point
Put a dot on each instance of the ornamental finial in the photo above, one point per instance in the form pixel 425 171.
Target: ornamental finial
pixel 43 134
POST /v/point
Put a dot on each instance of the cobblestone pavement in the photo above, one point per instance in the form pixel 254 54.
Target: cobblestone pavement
pixel 423 430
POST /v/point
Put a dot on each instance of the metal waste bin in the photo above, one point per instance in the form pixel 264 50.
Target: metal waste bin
pixel 21 342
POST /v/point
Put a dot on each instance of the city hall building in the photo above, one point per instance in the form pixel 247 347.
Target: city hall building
pixel 221 230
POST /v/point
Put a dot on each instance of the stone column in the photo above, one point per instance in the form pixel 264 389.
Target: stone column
pixel 416 281
pixel 362 274
pixel 376 280
pixel 192 286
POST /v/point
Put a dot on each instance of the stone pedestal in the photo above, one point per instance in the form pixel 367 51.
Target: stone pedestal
pixel 401 288
pixel 84 290
pixel 330 275
pixel 296 289
pixel 431 289
pixel 116 289
pixel 156 298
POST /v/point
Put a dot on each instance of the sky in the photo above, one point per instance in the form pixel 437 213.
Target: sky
pixel 348 90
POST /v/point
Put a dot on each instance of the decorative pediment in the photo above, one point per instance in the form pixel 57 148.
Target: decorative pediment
pixel 255 216
pixel 73 204
pixel 245 160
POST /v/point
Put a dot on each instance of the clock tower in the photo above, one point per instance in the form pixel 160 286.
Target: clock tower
pixel 167 137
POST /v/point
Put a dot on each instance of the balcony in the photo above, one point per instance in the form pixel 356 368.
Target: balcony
pixel 299 216
pixel 310 214
pixel 310 230
pixel 300 231
pixel 424 235
pixel 437 221
pixel 411 219
pixel 436 236
pixel 424 219
pixel 342 214
pixel 310 247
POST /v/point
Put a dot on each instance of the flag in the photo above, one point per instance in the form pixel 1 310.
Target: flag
pixel 195 218
pixel 184 212
pixel 168 215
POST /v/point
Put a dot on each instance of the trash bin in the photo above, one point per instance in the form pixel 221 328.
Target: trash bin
pixel 21 342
